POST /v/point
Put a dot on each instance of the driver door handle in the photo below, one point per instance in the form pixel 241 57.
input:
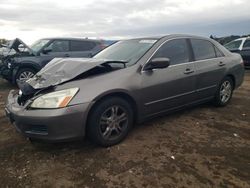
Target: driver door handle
pixel 221 64
pixel 188 71
pixel 66 55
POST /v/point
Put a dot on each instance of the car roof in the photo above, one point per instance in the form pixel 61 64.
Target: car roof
pixel 72 38
pixel 170 36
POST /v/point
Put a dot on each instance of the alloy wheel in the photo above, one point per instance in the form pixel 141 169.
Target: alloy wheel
pixel 113 122
pixel 25 75
pixel 225 91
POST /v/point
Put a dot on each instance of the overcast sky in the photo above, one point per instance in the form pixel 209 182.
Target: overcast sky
pixel 115 19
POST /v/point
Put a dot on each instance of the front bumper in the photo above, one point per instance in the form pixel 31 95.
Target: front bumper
pixel 48 124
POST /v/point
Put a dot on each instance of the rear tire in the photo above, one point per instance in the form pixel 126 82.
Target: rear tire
pixel 224 92
pixel 24 74
pixel 110 121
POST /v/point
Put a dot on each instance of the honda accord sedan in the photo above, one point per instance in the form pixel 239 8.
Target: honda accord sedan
pixel 129 82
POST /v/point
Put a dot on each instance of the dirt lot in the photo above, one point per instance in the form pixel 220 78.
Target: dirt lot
pixel 199 147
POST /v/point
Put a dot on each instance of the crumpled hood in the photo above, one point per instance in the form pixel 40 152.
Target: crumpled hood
pixel 14 44
pixel 60 70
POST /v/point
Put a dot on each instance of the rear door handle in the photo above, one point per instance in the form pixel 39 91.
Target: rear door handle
pixel 221 64
pixel 66 55
pixel 188 71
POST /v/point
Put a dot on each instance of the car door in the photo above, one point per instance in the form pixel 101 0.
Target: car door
pixel 210 65
pixel 172 87
pixel 82 48
pixel 57 48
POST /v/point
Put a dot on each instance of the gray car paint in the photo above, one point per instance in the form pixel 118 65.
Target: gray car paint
pixel 152 92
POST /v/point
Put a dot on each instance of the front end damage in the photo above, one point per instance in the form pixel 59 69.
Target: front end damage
pixel 52 123
pixel 8 64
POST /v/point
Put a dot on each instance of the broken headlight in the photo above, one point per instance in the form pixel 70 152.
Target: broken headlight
pixel 57 99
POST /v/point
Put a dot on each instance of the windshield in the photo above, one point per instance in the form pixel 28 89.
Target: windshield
pixel 38 45
pixel 233 45
pixel 129 51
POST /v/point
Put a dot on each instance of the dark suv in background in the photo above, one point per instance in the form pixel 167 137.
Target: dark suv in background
pixel 27 61
pixel 242 47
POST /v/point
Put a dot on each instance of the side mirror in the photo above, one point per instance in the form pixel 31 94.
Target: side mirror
pixel 45 51
pixel 157 63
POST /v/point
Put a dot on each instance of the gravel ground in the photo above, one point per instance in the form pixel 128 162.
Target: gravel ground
pixel 202 146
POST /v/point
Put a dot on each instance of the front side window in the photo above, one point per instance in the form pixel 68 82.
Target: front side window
pixel 129 51
pixel 176 50
pixel 203 49
pixel 82 45
pixel 234 45
pixel 59 46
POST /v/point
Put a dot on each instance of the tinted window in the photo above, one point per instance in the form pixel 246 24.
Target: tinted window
pixel 233 45
pixel 59 46
pixel 202 49
pixel 247 44
pixel 176 50
pixel 82 45
pixel 218 52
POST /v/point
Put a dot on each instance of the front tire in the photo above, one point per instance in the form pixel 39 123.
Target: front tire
pixel 24 74
pixel 224 92
pixel 110 121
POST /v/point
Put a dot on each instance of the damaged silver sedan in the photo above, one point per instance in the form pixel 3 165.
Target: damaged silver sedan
pixel 128 82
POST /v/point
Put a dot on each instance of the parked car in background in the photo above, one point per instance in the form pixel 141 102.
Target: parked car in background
pixel 109 42
pixel 241 46
pixel 129 81
pixel 5 51
pixel 27 61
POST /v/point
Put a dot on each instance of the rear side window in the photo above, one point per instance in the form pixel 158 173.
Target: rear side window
pixel 59 46
pixel 246 44
pixel 176 50
pixel 82 45
pixel 203 49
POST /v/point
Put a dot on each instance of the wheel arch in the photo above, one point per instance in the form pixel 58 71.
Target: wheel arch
pixel 232 77
pixel 117 93
pixel 24 65
pixel 28 64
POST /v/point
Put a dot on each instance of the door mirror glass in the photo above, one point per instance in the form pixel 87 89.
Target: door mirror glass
pixel 158 63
